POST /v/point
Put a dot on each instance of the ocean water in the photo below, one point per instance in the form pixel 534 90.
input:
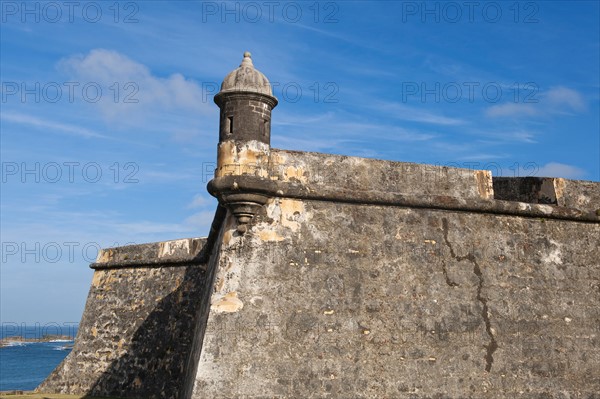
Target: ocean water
pixel 24 365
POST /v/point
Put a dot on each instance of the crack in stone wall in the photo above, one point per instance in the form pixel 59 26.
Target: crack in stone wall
pixel 448 280
pixel 493 344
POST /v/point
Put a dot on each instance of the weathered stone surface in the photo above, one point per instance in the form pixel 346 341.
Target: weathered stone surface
pixel 340 289
pixel 251 185
pixel 578 194
pixel 186 250
pixel 363 174
pixel 338 300
pixel 137 331
pixel 246 78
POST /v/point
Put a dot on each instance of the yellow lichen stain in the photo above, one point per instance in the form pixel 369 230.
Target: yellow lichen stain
pixel 227 304
pixel 103 278
pixel 270 235
pixel 293 173
pixel 97 278
pixel 105 255
pixel 226 155
pixel 219 285
pixel 559 188
pixel 291 210
pixel 94 332
pixel 432 242
pixel 328 312
pixel 484 183
pixel 167 248
pixel 276 160
pixel 227 237
pixel 250 159
pixel 109 278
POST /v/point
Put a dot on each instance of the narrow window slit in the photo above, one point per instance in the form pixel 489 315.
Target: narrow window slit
pixel 230 124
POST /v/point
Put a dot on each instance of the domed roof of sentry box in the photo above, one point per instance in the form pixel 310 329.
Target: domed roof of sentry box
pixel 246 79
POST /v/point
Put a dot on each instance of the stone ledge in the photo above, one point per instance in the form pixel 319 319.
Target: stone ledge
pixel 366 174
pixel 354 173
pixel 252 184
pixel 175 252
pixel 180 252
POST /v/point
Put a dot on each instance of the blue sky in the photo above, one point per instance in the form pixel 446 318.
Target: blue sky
pixel 109 131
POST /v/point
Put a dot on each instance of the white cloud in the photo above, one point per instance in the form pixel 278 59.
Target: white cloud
pixel 501 136
pixel 148 227
pixel 407 113
pixel 559 97
pixel 48 125
pixel 557 100
pixel 511 109
pixel 129 89
pixel 305 132
pixel 199 201
pixel 200 221
pixel 483 157
pixel 521 135
pixel 555 169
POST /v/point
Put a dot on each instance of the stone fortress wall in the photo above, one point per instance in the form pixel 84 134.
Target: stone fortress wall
pixel 327 276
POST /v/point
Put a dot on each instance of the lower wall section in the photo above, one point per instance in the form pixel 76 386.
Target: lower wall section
pixel 136 334
pixel 329 300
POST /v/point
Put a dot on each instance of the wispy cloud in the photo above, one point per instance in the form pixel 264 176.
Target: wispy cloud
pixel 385 131
pixel 163 176
pixel 483 157
pixel 330 131
pixel 555 169
pixel 557 100
pixel 199 201
pixel 504 136
pixel 145 227
pixel 414 114
pixel 200 221
pixel 563 96
pixel 512 110
pixel 49 125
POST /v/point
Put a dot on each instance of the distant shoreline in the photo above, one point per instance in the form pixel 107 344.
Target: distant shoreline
pixel 4 342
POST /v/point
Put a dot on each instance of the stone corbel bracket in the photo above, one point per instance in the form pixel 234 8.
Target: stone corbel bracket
pixel 243 204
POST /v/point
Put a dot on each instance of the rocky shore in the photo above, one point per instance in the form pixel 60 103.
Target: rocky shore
pixel 8 341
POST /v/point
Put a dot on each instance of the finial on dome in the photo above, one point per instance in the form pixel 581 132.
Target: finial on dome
pixel 246 79
pixel 247 61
